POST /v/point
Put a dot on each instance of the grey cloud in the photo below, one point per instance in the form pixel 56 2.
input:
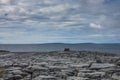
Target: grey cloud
pixel 87 11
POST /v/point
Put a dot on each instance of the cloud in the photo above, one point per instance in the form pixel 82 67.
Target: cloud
pixel 54 9
pixel 50 9
pixel 60 19
pixel 105 35
pixel 95 1
pixel 4 1
pixel 95 26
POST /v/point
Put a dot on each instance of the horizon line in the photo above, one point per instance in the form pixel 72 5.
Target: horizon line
pixel 59 43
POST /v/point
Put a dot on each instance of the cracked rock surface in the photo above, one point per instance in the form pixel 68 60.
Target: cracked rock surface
pixel 56 65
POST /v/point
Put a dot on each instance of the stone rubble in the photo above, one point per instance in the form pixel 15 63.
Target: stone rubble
pixel 66 65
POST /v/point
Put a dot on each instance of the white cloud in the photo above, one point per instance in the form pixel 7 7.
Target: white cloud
pixel 62 17
pixel 55 9
pixel 104 35
pixel 95 26
pixel 9 8
pixel 95 1
pixel 12 33
pixel 49 1
pixel 4 1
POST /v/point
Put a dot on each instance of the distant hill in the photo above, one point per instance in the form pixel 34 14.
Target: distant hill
pixel 112 48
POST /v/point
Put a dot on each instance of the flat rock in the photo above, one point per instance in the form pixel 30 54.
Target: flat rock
pixel 45 78
pixel 97 66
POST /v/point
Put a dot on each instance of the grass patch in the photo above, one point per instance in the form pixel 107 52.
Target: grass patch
pixel 1 72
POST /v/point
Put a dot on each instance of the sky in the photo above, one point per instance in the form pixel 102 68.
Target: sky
pixel 59 21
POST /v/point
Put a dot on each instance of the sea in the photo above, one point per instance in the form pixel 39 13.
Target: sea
pixel 106 48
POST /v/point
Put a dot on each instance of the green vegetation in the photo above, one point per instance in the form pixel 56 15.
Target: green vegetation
pixel 66 49
pixel 4 51
pixel 1 72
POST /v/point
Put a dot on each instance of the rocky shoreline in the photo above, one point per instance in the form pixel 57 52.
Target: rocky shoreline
pixel 59 65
